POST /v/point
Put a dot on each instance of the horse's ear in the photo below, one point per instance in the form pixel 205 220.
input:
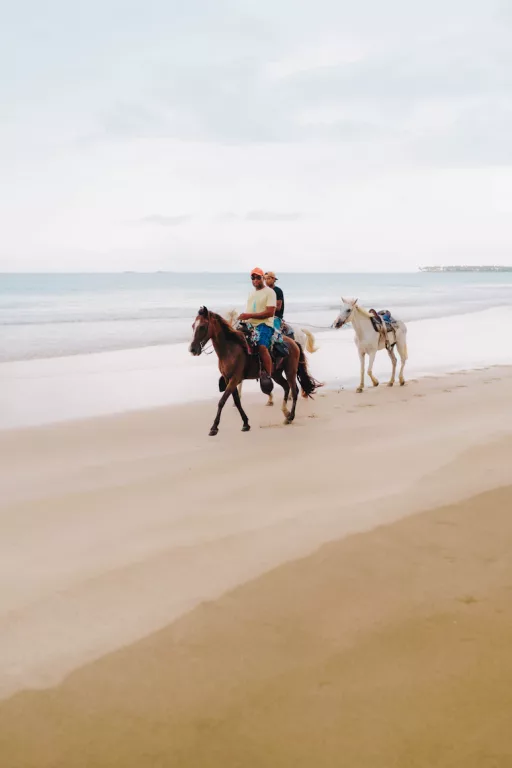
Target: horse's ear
pixel 203 312
pixel 343 300
pixel 355 301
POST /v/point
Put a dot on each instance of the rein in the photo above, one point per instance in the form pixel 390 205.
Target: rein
pixel 203 344
pixel 316 327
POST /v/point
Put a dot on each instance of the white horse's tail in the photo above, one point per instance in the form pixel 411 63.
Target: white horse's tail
pixel 402 343
pixel 310 341
pixel 232 317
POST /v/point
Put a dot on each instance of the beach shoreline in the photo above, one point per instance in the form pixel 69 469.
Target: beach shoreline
pixel 96 515
pixel 59 389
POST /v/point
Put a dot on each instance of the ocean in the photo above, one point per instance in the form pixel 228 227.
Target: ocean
pixel 76 345
pixel 55 315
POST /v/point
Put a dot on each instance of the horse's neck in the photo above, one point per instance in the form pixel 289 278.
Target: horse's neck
pixel 362 325
pixel 221 344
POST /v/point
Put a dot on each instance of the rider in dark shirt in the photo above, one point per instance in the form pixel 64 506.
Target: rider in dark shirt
pixel 270 280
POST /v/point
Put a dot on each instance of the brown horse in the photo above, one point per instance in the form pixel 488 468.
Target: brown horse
pixel 236 363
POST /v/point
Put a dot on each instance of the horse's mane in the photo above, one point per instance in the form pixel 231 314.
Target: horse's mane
pixel 363 311
pixel 229 332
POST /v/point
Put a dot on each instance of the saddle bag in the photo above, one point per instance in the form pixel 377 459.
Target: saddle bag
pixel 280 349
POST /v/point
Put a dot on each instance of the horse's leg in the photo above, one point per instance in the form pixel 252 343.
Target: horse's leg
pixel 401 345
pixel 239 393
pixel 270 400
pixel 236 398
pixel 402 351
pixel 291 377
pixel 292 380
pixel 361 383
pixel 280 379
pixel 401 379
pixel 393 359
pixel 231 387
pixel 371 356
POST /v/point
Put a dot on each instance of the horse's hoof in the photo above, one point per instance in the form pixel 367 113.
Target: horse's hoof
pixel 246 428
pixel 375 383
pixel 359 390
pixel 390 383
pixel 269 405
pixel 213 432
pixel 402 383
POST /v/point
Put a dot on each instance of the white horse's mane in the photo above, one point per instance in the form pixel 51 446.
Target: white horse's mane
pixel 363 311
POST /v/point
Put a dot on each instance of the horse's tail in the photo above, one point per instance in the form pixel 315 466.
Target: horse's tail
pixel 232 317
pixel 307 383
pixel 310 343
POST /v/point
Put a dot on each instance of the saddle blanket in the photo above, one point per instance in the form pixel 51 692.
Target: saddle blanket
pixel 278 348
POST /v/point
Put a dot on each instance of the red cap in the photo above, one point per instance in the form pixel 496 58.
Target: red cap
pixel 257 271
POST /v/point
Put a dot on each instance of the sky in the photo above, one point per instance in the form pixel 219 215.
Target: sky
pixel 306 136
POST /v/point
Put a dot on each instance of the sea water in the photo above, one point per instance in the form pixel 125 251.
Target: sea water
pixel 79 345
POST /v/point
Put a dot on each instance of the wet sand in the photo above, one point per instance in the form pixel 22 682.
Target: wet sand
pixel 266 638
pixel 390 648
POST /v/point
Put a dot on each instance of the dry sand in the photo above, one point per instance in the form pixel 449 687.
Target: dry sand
pixel 390 648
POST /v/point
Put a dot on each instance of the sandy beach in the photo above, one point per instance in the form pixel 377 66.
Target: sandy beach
pixel 332 593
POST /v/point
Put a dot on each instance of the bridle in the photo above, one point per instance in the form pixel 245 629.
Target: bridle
pixel 347 319
pixel 203 344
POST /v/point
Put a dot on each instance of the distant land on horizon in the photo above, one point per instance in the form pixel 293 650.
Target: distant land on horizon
pixel 464 268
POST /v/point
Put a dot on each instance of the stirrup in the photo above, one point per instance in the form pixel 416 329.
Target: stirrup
pixel 266 383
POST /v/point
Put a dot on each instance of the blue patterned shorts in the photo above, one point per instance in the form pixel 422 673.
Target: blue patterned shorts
pixel 263 334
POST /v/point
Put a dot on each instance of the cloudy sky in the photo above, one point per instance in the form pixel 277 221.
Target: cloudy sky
pixel 326 135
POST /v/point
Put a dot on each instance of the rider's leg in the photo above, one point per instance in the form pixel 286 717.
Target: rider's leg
pixel 265 358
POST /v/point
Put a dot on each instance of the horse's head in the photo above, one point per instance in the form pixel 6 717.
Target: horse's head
pixel 347 308
pixel 202 332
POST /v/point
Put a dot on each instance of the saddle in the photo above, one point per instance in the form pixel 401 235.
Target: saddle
pixel 382 321
pixel 287 330
pixel 278 349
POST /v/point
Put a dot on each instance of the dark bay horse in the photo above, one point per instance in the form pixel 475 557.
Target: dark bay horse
pixel 236 363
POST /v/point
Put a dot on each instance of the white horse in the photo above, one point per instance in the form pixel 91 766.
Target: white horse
pixel 369 341
pixel 302 336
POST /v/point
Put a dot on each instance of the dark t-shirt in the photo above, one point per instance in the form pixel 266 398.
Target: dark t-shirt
pixel 279 297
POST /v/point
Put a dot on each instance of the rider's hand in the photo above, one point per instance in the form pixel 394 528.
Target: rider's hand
pixel 243 317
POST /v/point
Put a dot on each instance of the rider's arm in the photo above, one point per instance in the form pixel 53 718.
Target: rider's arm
pixel 268 312
pixel 279 304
